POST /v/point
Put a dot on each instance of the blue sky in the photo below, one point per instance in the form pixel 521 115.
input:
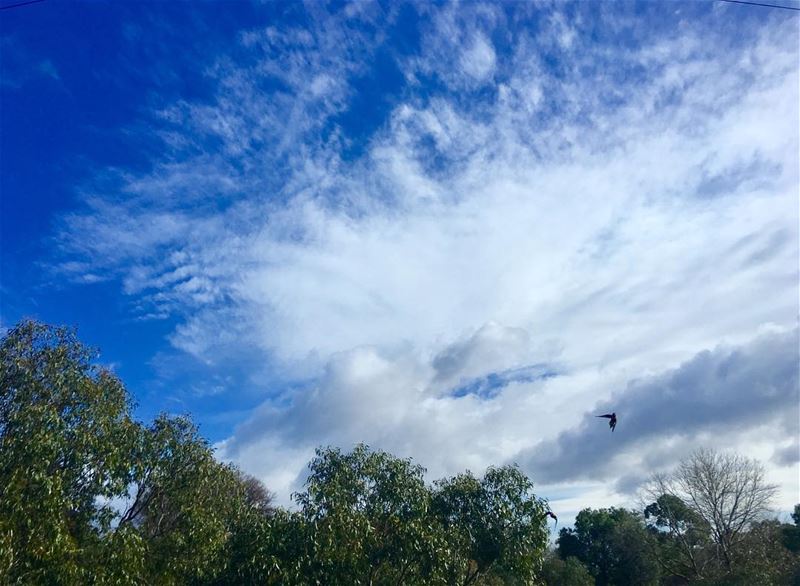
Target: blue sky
pixel 452 230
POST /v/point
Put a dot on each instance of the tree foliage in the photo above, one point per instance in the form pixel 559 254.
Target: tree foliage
pixel 565 572
pixel 683 537
pixel 365 516
pixel 763 559
pixel 612 544
pixel 66 438
pixel 496 524
pixel 88 495
pixel 368 517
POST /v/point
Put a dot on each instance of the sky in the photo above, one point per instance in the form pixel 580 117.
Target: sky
pixel 454 231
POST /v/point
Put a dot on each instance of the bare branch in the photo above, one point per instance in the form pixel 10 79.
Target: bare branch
pixel 727 492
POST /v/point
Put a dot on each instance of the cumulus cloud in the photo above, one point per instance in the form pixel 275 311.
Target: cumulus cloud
pixel 716 398
pixel 554 204
pixel 398 401
pixel 491 359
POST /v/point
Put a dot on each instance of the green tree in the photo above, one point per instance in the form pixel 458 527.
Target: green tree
pixel 681 538
pixel 568 572
pixel 790 537
pixel 495 526
pixel 763 560
pixel 185 504
pixel 791 533
pixel 613 545
pixel 365 520
pixel 264 548
pixel 88 495
pixel 66 439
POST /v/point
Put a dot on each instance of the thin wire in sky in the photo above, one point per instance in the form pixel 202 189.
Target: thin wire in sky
pixel 760 4
pixel 18 4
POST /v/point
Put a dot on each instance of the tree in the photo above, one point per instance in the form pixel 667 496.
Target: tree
pixel 681 537
pixel 66 438
pixel 790 537
pixel 762 558
pixel 791 533
pixel 612 544
pixel 88 495
pixel 266 549
pixel 721 495
pixel 568 572
pixel 185 504
pixel 495 526
pixel 365 519
pixel 257 496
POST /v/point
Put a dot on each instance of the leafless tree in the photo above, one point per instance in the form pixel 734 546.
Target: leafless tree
pixel 257 495
pixel 719 494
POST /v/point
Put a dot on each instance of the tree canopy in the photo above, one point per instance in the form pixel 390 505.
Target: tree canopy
pixel 612 544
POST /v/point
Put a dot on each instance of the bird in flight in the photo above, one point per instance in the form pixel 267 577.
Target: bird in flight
pixel 552 515
pixel 612 417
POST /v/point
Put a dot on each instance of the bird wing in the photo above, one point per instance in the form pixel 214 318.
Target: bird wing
pixel 609 415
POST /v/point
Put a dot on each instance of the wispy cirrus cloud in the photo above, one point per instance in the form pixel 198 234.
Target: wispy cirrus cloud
pixel 579 189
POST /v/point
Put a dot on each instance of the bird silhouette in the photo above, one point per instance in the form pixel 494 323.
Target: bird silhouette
pixel 612 417
pixel 552 515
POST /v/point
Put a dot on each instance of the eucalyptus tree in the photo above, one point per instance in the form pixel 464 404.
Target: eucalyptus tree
pixel 90 496
pixel 184 503
pixel 66 443
pixel 494 526
pixel 365 519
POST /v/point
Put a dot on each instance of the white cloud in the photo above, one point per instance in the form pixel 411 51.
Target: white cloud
pixel 393 401
pixel 478 60
pixel 609 228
